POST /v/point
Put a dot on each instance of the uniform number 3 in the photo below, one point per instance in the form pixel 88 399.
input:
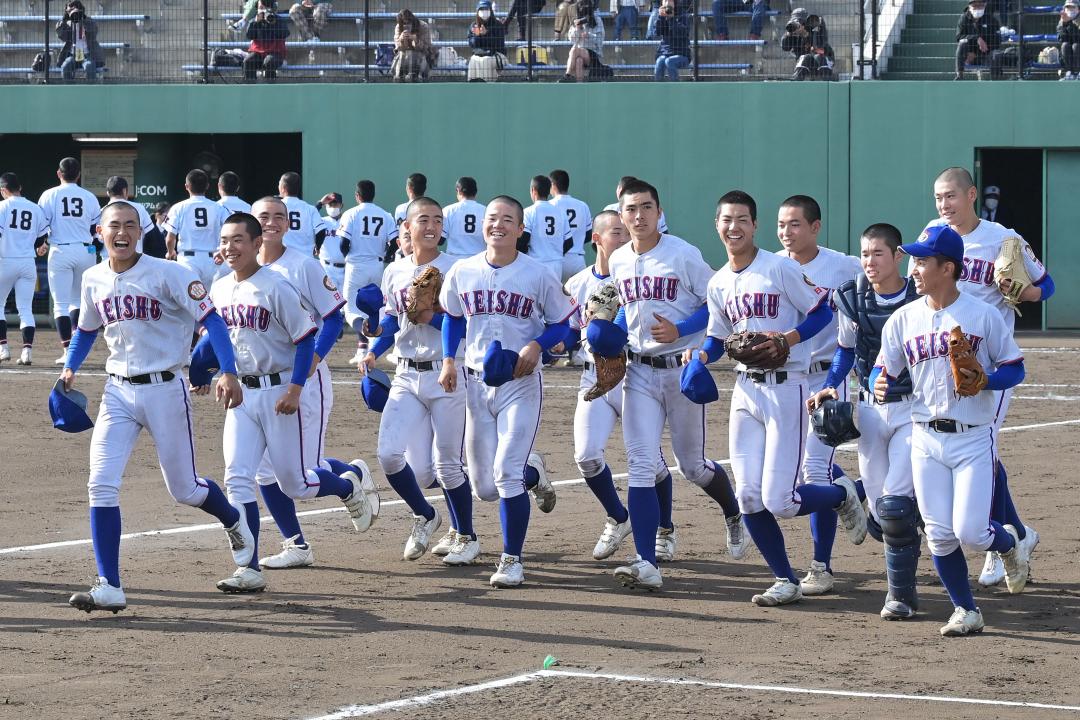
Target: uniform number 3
pixel 74 209
pixel 23 220
pixel 550 222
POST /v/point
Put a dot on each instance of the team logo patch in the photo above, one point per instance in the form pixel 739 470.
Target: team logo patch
pixel 329 283
pixel 924 237
pixel 196 290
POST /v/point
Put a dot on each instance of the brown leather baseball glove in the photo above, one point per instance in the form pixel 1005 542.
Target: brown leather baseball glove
pixel 609 373
pixel 423 294
pixel 968 375
pixel 758 350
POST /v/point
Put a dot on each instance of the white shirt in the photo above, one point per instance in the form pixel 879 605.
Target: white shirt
pixel 234 204
pixel 148 311
pixel 422 343
pixel 368 227
pixel 400 211
pixel 578 220
pixel 305 223
pixel 72 213
pixel 318 293
pixel 548 231
pixel 916 337
pixel 580 287
pixel 463 227
pixel 661 225
pixel 671 280
pixel 828 270
pixel 771 293
pixel 331 247
pixel 511 304
pixel 197 223
pixel 22 222
pixel 265 318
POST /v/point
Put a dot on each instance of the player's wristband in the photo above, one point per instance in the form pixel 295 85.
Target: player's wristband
pixel 1046 285
pixel 79 348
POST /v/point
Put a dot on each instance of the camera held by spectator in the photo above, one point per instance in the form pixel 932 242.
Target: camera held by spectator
pixel 81 49
pixel 807 38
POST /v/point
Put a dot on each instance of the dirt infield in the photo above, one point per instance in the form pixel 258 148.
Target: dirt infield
pixel 364 626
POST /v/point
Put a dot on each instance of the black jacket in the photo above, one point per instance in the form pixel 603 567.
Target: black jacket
pixel 987 27
pixel 66 31
pixel 799 44
pixel 491 42
pixel 1068 32
pixel 674 34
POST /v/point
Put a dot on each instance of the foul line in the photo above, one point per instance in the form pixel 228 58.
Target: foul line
pixel 353 711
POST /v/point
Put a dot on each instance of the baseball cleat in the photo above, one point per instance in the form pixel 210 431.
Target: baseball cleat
pixel 367 482
pixel 543 492
pixel 738 539
pixel 244 580
pixel 420 536
pixel 26 357
pixel 818 580
pixel 611 538
pixel 442 548
pixel 963 622
pixel 241 541
pixel 782 592
pixel 101 596
pixel 508 573
pixel 5 353
pixel 1016 564
pixel 851 511
pixel 639 574
pixel 358 358
pixel 361 503
pixel 666 540
pixel 1031 539
pixel 62 360
pixel 464 551
pixel 291 556
pixel 896 609
pixel 993 570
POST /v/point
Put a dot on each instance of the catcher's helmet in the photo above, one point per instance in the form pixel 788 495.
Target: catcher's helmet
pixel 834 422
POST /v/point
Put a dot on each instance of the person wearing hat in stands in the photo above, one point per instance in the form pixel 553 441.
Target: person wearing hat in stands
pixel 1068 31
pixel 991 206
pixel 977 39
pixel 487 38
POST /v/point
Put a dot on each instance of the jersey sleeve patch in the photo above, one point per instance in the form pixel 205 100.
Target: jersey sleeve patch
pixel 196 290
pixel 329 284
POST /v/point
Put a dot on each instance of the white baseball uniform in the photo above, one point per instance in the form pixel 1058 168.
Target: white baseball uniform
pixel 511 304
pixel 670 280
pixel 72 213
pixel 579 222
pixel 954 462
pixel 661 224
pixel 234 204
pixel 767 423
pixel 22 222
pixel 197 224
pixel 463 226
pixel 368 228
pixel 548 231
pixel 305 223
pixel 828 270
pixel 147 314
pixel 330 255
pixel 266 319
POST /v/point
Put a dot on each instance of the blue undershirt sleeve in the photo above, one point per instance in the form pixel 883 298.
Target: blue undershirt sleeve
pixel 696 322
pixel 328 335
pixel 1006 376
pixel 842 362
pixel 714 349
pixel 389 326
pixel 218 335
pixel 79 348
pixel 453 331
pixel 554 333
pixel 305 354
pixel 814 322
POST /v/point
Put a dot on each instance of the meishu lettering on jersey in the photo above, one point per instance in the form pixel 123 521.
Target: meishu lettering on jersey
pixel 978 271
pixel 128 307
pixel 245 316
pixel 501 302
pixel 752 305
pixel 933 345
pixel 649 288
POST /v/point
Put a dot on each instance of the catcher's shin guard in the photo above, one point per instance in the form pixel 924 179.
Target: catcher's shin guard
pixel 899 525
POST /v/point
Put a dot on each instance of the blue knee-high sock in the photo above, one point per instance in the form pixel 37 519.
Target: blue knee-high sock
pixel 603 487
pixel 953 571
pixel 283 510
pixel 720 490
pixel 819 496
pixel 460 502
pixel 823 531
pixel 1002 508
pixel 251 512
pixel 514 517
pixel 532 477
pixel 664 497
pixel 338 467
pixel 644 520
pixel 105 530
pixel 766 534
pixel 1003 541
pixel 332 484
pixel 218 505
pixel 404 484
pixel 450 509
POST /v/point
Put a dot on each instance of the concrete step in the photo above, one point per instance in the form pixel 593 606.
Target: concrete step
pixel 928 35
pixel 933 20
pixel 919 64
pixel 935 50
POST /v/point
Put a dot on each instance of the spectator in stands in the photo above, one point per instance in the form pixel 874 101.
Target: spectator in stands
pixel 565 15
pixel 977 39
pixel 587 50
pixel 626 15
pixel 807 38
pixel 757 9
pixel 674 51
pixel 310 17
pixel 683 9
pixel 414 53
pixel 1068 31
pixel 520 10
pixel 267 33
pixel 487 38
pixel 81 49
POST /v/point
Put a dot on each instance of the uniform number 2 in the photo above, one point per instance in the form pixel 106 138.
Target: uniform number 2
pixel 23 220
pixel 74 209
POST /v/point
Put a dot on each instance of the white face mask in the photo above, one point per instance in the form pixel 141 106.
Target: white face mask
pixel 977 13
pixel 484 14
pixel 991 203
pixel 334 212
pixel 1071 13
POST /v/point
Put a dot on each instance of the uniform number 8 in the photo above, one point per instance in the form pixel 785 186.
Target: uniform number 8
pixel 470 223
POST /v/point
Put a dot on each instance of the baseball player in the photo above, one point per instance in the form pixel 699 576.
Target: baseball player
pixel 798 224
pixel 274 336
pixel 71 213
pixel 228 185
pixel 463 222
pixel 594 420
pixel 116 188
pixel 364 232
pixel 954 196
pixel 415 187
pixel 764 292
pixel 661 224
pixel 863 306
pixel 549 237
pixel 330 254
pixel 661 281
pixel 417 400
pixel 23 235
pixel 307 229
pixel 578 220
pixel 953 442
pixel 193 227
pixel 145 308
pixel 504 296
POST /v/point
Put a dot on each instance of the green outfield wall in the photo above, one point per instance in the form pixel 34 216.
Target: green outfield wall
pixel 867 151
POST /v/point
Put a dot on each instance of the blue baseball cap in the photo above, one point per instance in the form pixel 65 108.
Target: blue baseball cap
pixel 498 364
pixel 483 5
pixel 68 409
pixel 697 384
pixel 375 389
pixel 369 300
pixel 937 240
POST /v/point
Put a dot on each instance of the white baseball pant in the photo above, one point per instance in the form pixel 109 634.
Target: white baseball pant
pixel 885 450
pixel 67 263
pixel 358 275
pixel 594 421
pixel 19 274
pixel 202 264
pixel 316 402
pixel 500 429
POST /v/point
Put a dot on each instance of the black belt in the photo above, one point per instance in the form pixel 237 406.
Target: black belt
pixel 657 361
pixel 819 366
pixel 143 379
pixel 869 397
pixel 193 253
pixel 589 366
pixel 760 376
pixel 333 264
pixel 421 365
pixel 474 373
pixel 948 426
pixel 255 381
pixel 73 243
